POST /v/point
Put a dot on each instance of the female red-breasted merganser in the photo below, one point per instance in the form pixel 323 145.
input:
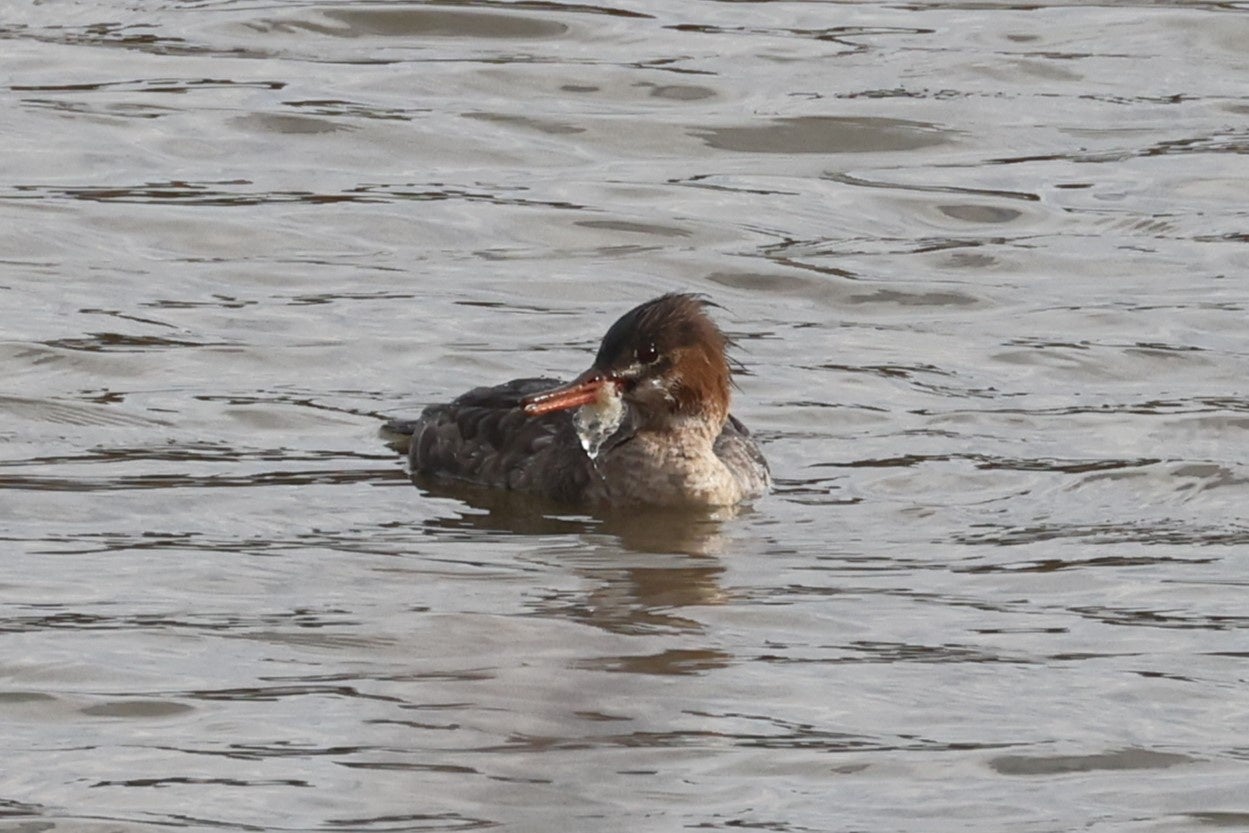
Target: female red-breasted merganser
pixel 651 426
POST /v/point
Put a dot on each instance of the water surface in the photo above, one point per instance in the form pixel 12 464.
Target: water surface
pixel 985 264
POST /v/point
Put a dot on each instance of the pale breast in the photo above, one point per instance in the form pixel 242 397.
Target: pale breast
pixel 661 469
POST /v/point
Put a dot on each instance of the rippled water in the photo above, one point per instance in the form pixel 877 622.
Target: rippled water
pixel 986 264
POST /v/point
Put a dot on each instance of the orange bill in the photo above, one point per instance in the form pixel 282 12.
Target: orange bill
pixel 580 391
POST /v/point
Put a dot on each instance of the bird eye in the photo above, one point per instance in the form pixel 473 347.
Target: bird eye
pixel 647 354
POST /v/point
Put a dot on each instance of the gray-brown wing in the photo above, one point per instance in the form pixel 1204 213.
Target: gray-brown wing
pixel 742 455
pixel 485 437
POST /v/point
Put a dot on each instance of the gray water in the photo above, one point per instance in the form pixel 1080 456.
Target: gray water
pixel 986 265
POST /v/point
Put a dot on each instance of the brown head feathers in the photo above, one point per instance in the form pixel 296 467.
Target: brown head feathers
pixel 671 357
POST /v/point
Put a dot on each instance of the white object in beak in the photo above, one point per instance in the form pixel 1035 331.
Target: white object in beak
pixel 597 421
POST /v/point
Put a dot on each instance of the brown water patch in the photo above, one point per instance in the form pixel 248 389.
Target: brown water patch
pixel 1123 759
pixel 826 134
pixel 422 21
